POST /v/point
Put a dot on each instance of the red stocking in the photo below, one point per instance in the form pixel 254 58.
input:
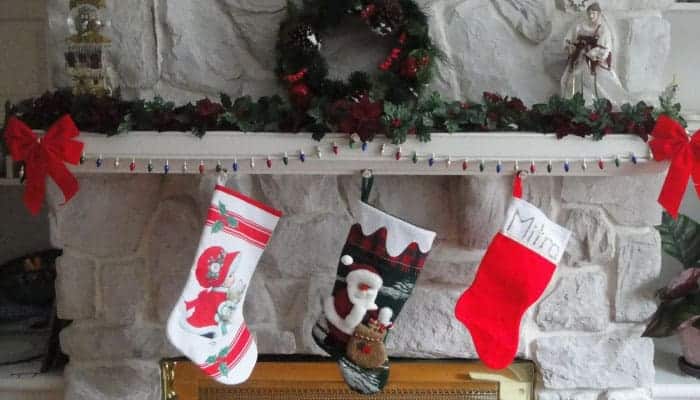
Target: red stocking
pixel 514 273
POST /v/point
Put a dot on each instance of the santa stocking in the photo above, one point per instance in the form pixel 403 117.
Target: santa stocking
pixel 207 323
pixel 513 274
pixel 378 269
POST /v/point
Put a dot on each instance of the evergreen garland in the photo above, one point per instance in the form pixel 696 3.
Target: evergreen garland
pixel 363 116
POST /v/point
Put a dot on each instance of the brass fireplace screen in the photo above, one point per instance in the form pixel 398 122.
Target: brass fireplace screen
pixel 312 380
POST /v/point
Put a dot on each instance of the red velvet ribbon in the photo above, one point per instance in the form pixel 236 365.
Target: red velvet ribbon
pixel 670 142
pixel 44 156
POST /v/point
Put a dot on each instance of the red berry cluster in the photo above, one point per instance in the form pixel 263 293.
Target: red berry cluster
pixel 395 54
pixel 412 65
pixel 368 12
pixel 294 78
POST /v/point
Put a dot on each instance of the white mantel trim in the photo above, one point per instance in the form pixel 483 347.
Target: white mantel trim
pixel 508 148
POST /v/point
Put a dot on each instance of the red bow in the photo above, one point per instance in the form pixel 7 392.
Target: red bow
pixel 45 156
pixel 670 142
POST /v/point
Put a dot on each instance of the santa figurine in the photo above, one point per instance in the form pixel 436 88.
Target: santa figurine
pixel 208 314
pixel 354 304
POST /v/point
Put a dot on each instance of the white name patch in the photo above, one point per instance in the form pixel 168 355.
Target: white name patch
pixel 529 226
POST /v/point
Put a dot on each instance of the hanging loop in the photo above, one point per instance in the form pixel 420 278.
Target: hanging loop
pixel 367 183
pixel 518 183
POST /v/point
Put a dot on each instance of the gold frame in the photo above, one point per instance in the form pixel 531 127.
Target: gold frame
pixel 321 379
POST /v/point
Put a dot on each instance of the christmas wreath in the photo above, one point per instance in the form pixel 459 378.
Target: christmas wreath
pixel 354 105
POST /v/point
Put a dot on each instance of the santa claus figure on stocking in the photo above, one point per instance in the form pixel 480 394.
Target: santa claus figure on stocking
pixel 355 304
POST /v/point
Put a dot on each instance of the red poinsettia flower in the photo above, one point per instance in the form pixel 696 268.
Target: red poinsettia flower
pixel 207 108
pixel 362 117
pixel 517 105
pixel 492 97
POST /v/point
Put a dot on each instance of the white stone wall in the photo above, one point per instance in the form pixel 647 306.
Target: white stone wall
pixel 129 242
pixel 184 49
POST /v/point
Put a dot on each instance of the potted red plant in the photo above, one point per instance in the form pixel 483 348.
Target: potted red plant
pixel 679 310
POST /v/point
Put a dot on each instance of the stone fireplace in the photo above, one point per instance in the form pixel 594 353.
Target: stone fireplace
pixel 125 262
pixel 129 240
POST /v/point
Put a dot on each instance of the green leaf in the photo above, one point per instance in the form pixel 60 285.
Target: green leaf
pixel 681 239
pixel 664 322
pixel 223 369
pixel 126 125
pixel 316 113
pixel 452 126
pixel 226 101
pixel 232 222
pixel 217 227
pixel 222 208
pixel 224 352
pixel 210 360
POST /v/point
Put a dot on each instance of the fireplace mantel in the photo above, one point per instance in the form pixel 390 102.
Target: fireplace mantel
pixel 184 153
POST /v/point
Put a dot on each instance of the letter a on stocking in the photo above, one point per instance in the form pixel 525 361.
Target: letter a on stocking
pixel 515 271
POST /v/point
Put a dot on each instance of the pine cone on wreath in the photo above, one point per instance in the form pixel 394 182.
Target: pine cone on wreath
pixel 388 17
pixel 304 37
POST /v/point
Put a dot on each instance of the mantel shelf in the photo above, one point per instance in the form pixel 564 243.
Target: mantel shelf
pixel 178 149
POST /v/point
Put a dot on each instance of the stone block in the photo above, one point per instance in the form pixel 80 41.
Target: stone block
pixel 271 340
pixel 211 66
pixel 644 72
pixel 566 395
pixel 578 303
pixel 319 288
pixel 630 200
pixel 254 19
pixel 290 297
pixel 304 245
pixel 600 361
pixel 634 394
pixel 136 380
pixel 481 204
pixel 123 290
pixel 544 193
pixel 109 215
pixel 482 45
pixel 75 287
pixel 424 201
pixel 593 237
pixel 173 237
pixel 638 266
pixel 87 342
pixel 427 328
pixel 636 4
pixel 450 263
pixel 302 194
pixel 258 307
pixel 530 18
pixel 133 54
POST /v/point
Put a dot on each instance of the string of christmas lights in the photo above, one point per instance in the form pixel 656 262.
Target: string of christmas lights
pixel 385 153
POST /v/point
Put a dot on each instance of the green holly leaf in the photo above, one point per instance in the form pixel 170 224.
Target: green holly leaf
pixel 224 351
pixel 210 360
pixel 217 227
pixel 681 239
pixel 222 208
pixel 226 101
pixel 452 126
pixel 232 222
pixel 223 368
pixel 126 124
